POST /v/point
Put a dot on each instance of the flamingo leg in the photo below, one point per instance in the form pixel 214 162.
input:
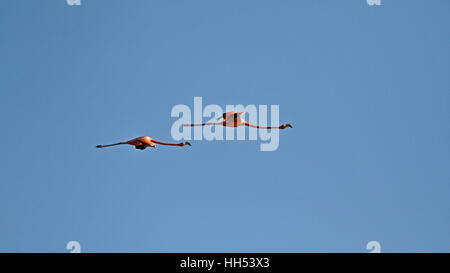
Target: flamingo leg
pixel 172 144
pixel 203 124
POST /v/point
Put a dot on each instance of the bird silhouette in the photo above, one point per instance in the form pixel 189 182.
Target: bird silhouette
pixel 233 119
pixel 143 142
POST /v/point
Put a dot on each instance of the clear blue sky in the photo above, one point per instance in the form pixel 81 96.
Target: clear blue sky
pixel 366 88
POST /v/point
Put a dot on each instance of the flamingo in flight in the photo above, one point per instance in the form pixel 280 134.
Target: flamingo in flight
pixel 233 119
pixel 143 142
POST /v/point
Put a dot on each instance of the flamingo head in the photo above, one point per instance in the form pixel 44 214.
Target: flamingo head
pixel 185 143
pixel 285 126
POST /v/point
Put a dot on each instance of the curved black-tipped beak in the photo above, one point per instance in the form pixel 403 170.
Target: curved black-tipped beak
pixel 187 143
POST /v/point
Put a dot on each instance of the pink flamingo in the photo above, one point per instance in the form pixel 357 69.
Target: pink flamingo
pixel 143 142
pixel 233 119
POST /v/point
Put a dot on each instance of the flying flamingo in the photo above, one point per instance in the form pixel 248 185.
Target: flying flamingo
pixel 143 142
pixel 233 119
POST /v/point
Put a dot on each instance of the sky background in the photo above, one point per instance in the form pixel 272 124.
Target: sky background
pixel 366 88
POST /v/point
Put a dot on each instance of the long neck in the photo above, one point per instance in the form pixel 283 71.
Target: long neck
pixel 109 145
pixel 260 127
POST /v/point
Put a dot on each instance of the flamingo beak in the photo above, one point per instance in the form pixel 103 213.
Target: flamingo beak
pixel 187 143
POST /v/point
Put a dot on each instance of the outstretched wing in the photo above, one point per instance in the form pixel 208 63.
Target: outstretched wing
pixel 146 140
pixel 232 114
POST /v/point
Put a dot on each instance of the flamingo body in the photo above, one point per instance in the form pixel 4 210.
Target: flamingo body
pixel 233 119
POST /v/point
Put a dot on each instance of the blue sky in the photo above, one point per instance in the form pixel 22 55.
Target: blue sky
pixel 366 88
